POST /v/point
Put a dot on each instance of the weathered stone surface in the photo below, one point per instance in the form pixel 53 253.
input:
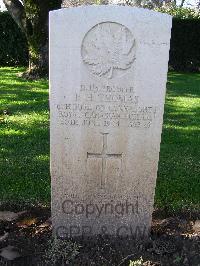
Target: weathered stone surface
pixel 108 69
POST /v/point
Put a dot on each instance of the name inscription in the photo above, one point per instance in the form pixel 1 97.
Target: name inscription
pixel 105 106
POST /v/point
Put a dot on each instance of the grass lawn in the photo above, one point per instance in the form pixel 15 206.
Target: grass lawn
pixel 24 141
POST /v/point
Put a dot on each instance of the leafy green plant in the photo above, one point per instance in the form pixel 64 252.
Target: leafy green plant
pixel 138 262
pixel 179 12
pixel 60 251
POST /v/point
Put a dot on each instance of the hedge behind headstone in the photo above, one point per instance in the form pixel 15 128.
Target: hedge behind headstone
pixel 13 45
pixel 185 45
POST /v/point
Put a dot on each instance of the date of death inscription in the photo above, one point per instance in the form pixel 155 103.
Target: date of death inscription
pixel 105 106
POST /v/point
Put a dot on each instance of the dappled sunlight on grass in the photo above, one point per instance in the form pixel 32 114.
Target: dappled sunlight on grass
pixel 10 132
pixel 178 183
pixel 24 137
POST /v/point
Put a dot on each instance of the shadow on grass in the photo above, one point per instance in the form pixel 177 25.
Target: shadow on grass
pixel 184 84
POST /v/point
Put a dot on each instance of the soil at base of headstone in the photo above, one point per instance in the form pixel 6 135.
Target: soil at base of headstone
pixel 27 240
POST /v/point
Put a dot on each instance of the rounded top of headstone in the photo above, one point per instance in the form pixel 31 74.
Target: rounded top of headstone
pixel 101 8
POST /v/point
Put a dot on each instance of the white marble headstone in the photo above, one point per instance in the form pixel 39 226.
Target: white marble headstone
pixel 108 71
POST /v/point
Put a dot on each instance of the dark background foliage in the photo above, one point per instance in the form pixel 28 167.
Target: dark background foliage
pixel 185 45
pixel 184 52
pixel 13 45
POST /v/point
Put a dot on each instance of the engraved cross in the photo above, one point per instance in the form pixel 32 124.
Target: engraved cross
pixel 104 155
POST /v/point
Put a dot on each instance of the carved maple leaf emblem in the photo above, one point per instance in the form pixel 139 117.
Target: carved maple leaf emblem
pixel 109 47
